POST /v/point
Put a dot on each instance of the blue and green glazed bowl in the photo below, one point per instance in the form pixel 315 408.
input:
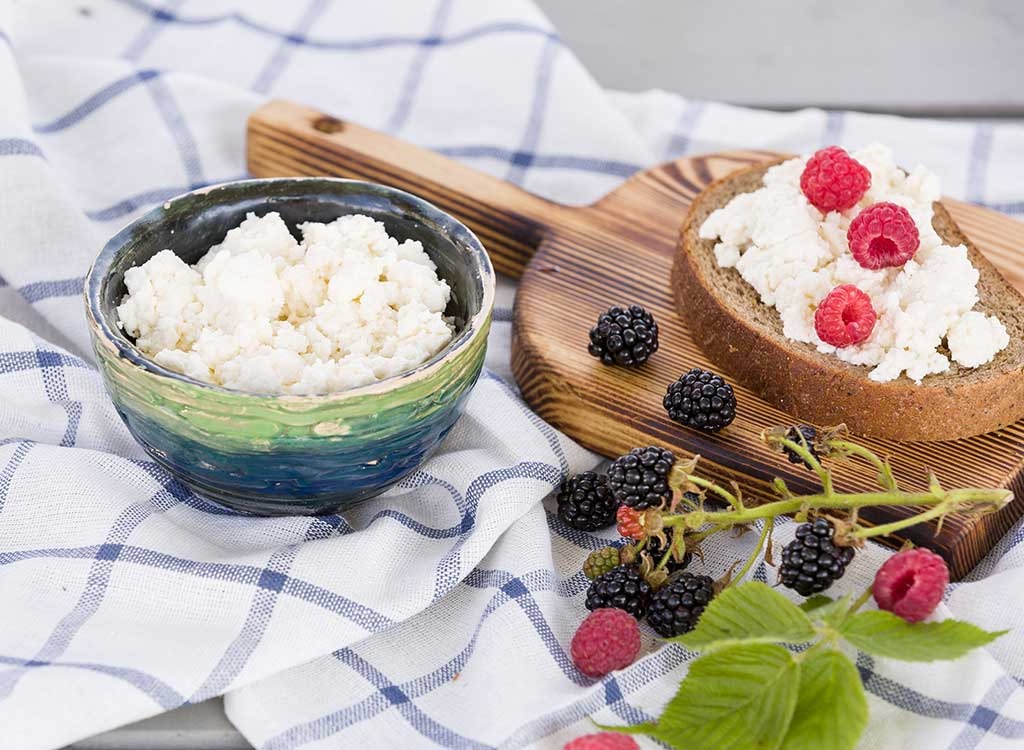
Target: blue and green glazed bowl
pixel 282 455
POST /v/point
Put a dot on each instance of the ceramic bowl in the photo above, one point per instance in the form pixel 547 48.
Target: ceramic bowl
pixel 284 454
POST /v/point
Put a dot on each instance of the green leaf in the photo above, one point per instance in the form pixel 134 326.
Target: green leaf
pixel 834 614
pixel 749 613
pixel 885 634
pixel 737 698
pixel 816 601
pixel 826 610
pixel 831 710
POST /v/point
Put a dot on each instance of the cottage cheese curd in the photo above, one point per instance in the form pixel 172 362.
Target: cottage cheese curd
pixel 793 255
pixel 261 312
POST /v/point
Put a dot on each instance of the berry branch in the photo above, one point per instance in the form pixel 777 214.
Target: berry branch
pixel 792 441
pixel 969 499
pixel 667 512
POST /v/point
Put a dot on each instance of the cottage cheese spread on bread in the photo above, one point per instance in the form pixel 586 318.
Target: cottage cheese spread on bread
pixel 793 255
pixel 263 313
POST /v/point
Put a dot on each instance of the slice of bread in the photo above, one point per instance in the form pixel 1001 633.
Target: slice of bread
pixel 744 337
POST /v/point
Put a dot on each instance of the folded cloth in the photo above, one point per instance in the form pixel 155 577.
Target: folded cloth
pixel 438 614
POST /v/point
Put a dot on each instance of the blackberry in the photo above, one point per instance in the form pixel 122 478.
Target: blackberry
pixel 600 561
pixel 655 549
pixel 702 400
pixel 677 606
pixel 640 478
pixel 586 503
pixel 803 433
pixel 812 561
pixel 623 588
pixel 626 337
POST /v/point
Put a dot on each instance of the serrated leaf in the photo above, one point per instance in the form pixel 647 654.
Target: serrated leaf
pixel 831 710
pixel 816 601
pixel 884 634
pixel 749 613
pixel 737 698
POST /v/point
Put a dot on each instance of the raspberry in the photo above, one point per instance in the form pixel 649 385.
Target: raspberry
pixel 812 561
pixel 883 235
pixel 623 588
pixel 911 584
pixel 677 606
pixel 630 522
pixel 845 317
pixel 640 478
pixel 702 400
pixel 586 503
pixel 607 640
pixel 626 337
pixel 601 561
pixel 603 741
pixel 833 180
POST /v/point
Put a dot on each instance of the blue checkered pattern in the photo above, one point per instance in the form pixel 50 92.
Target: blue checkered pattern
pixel 439 614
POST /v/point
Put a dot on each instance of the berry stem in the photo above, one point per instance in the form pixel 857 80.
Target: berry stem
pixel 665 557
pixel 885 476
pixel 781 489
pixel 693 538
pixel 756 553
pixel 962 498
pixel 824 475
pixel 680 498
pixel 858 603
pixel 888 528
pixel 827 641
pixel 677 480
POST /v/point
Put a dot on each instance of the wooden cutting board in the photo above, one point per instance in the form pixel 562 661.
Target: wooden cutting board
pixel 573 262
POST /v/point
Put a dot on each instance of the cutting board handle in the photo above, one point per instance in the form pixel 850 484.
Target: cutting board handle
pixel 287 139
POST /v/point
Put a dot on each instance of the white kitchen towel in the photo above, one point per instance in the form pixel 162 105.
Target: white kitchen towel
pixel 438 614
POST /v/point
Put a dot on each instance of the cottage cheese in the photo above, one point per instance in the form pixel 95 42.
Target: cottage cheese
pixel 261 312
pixel 793 255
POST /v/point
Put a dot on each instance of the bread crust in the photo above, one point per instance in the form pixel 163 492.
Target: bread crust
pixel 744 337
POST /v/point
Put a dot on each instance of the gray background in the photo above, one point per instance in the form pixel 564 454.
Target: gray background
pixel 935 57
pixel 918 57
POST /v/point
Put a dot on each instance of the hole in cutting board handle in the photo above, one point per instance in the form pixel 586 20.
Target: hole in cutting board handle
pixel 328 124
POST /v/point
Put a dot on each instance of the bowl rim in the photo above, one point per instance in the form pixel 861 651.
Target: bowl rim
pixel 102 331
